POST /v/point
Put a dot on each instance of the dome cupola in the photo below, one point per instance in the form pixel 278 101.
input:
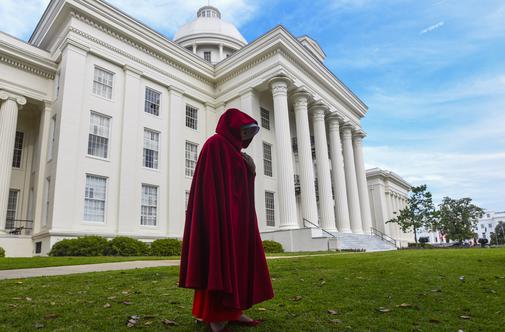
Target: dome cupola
pixel 209 36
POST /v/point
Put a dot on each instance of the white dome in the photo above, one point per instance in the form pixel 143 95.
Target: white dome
pixel 209 24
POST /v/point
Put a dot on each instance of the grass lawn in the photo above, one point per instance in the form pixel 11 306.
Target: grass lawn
pixel 10 263
pixel 441 290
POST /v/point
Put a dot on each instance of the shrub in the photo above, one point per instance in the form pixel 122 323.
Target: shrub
pixel 272 246
pixel 2 252
pixel 126 246
pixel 166 247
pixel 91 245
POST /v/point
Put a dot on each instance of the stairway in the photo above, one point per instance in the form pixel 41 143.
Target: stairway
pixel 359 241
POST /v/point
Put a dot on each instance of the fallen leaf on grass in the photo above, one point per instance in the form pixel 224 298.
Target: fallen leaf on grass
pixel 51 316
pixel 261 309
pixel 332 312
pixel 169 322
pixel 462 278
pixel 19 282
pixel 383 309
pixel 13 305
pixel 127 302
pixel 28 298
pixel 149 322
pixel 322 283
pixel 38 325
pixel 336 321
pixel 106 305
pixel 296 298
pixel 53 303
pixel 111 298
pixel 465 317
pixel 404 305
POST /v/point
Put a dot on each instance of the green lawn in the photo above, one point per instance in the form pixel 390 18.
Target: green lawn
pixel 10 263
pixel 442 290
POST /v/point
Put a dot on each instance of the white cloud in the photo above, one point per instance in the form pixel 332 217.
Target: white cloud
pixel 19 17
pixel 480 176
pixel 432 27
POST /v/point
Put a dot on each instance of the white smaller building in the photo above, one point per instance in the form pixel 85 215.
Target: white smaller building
pixel 488 222
pixel 388 194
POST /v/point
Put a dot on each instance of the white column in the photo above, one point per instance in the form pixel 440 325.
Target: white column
pixel 364 200
pixel 11 104
pixel 221 52
pixel 395 215
pixel 391 215
pixel 338 177
pixel 194 48
pixel 285 173
pixel 43 142
pixel 308 192
pixel 326 208
pixel 351 180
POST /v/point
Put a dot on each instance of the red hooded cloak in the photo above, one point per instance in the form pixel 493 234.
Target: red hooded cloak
pixel 222 249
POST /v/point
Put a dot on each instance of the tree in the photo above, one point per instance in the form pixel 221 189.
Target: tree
pixel 456 218
pixel 418 213
pixel 498 236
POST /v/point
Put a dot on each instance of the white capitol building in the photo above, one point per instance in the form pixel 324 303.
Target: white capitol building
pixel 102 119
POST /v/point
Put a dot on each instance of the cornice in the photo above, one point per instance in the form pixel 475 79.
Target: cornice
pixel 147 50
pixel 26 67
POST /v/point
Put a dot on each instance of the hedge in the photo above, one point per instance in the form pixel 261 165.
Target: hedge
pixel 272 246
pixel 166 247
pixel 82 246
pixel 126 246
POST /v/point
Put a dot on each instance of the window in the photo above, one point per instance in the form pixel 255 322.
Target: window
pixel 52 135
pixel 270 208
pixel 207 56
pixel 45 215
pixel 98 142
pixel 490 225
pixel 38 247
pixel 12 204
pixel 481 225
pixel 151 148
pixel 191 158
pixel 18 149
pixel 149 205
pixel 94 198
pixel 187 199
pixel 102 83
pixel 152 102
pixel 265 118
pixel 267 159
pixel 191 117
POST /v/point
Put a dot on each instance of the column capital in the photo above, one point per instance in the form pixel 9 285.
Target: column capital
pixel 300 99
pixel 279 85
pixel 318 110
pixel 5 95
pixel 358 133
pixel 347 129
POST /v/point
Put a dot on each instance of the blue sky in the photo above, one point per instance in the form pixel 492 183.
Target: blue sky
pixel 432 73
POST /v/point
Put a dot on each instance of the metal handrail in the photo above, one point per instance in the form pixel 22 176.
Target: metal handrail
pixel 19 226
pixel 383 236
pixel 317 226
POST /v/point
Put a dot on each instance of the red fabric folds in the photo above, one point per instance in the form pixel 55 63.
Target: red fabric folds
pixel 207 305
pixel 222 249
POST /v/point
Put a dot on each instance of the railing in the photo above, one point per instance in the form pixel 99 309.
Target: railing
pixel 317 226
pixel 19 227
pixel 383 236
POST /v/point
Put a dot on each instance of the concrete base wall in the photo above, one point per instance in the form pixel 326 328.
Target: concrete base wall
pixel 297 239
pixel 17 245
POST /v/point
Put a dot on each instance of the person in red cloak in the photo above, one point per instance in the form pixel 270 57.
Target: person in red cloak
pixel 222 253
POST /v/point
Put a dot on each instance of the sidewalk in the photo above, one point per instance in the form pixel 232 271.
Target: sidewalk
pixel 85 268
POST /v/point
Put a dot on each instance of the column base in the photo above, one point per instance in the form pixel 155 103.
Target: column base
pixel 348 231
pixel 358 231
